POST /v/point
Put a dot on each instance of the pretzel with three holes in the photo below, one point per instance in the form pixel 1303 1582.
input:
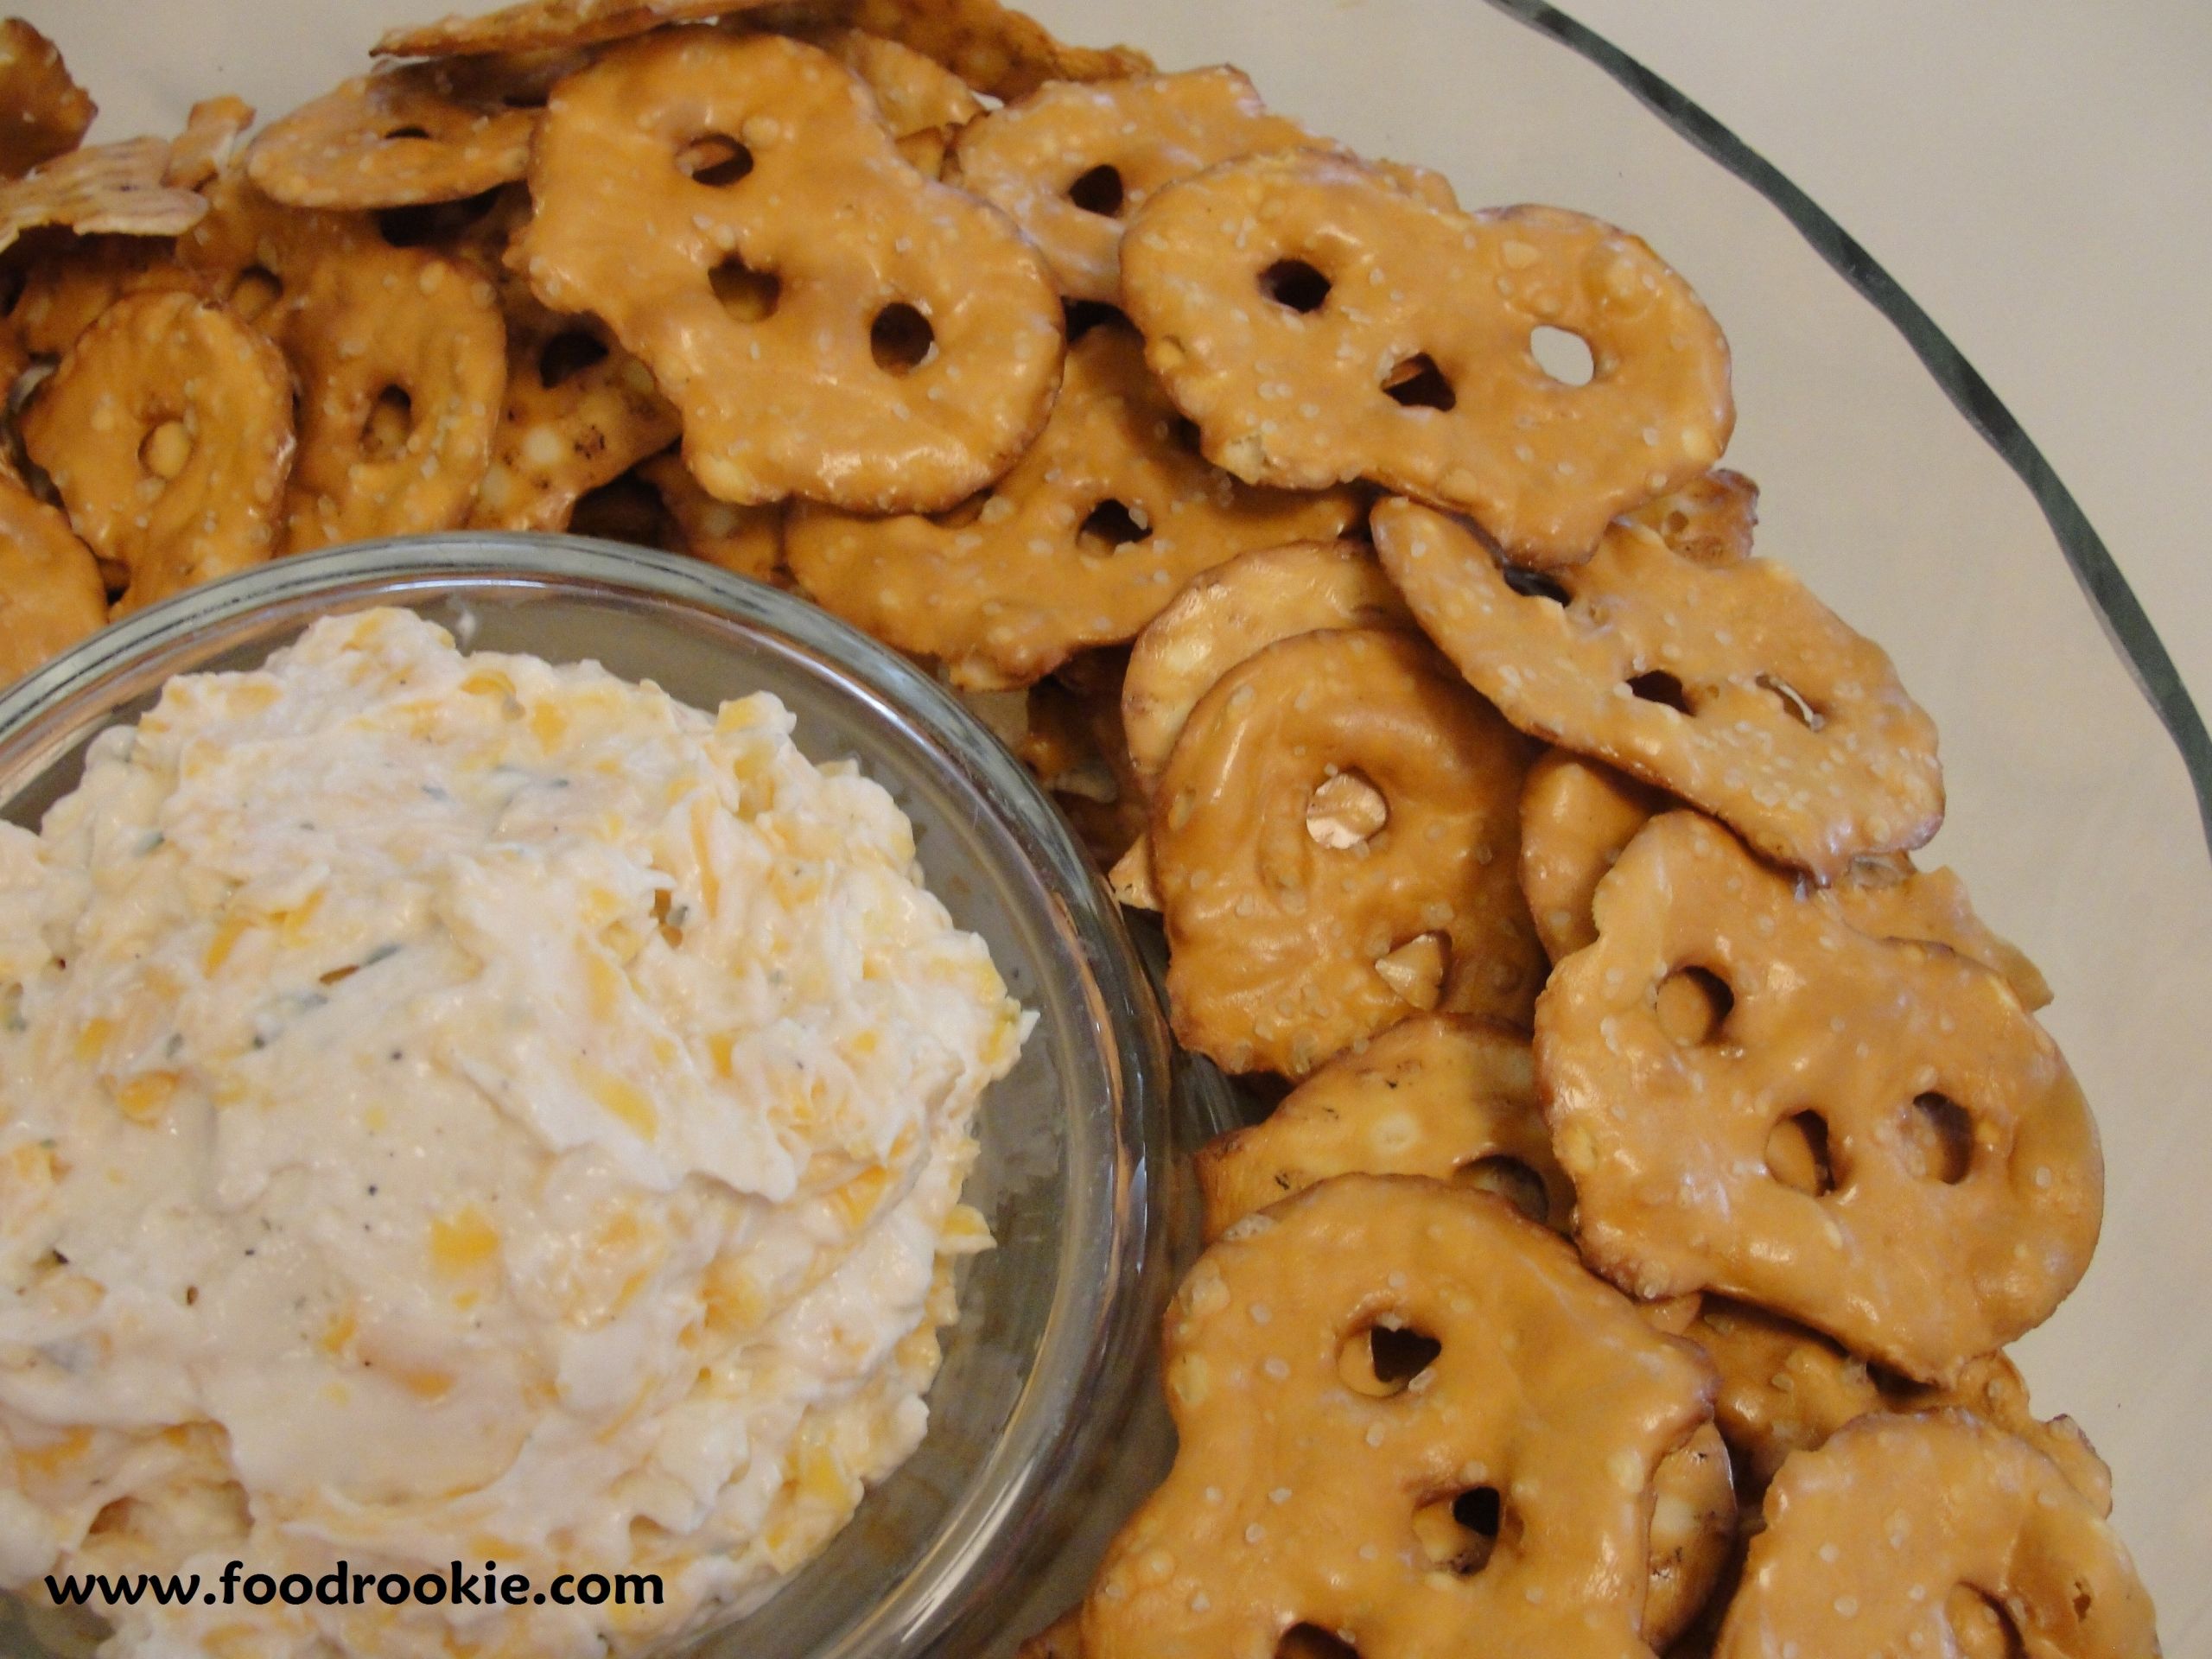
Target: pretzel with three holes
pixel 1872 1137
pixel 899 343
pixel 1730 685
pixel 1080 545
pixel 1489 1504
pixel 1320 323
pixel 1931 1535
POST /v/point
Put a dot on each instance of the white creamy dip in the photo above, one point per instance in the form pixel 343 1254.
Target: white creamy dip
pixel 454 1106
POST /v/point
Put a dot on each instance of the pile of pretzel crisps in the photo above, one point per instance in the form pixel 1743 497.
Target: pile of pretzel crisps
pixel 1669 1160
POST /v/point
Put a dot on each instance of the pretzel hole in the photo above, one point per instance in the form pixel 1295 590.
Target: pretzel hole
pixel 1345 809
pixel 256 289
pixel 568 355
pixel 747 294
pixel 1691 1005
pixel 1112 525
pixel 1660 686
pixel 1415 969
pixel 1797 1154
pixel 165 450
pixel 1417 382
pixel 1941 1137
pixel 1458 1534
pixel 1563 355
pixel 1099 191
pixel 1311 1642
pixel 1534 584
pixel 900 338
pixel 406 132
pixel 1793 702
pixel 1979 1627
pixel 1084 316
pixel 391 419
pixel 714 159
pixel 1294 285
pixel 1508 1179
pixel 1383 1360
pixel 422 224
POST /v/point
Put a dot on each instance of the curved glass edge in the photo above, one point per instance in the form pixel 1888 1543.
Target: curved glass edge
pixel 2120 613
pixel 987 1539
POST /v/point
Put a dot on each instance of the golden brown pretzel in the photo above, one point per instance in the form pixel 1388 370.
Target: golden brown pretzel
pixel 1489 1504
pixel 51 596
pixel 46 112
pixel 1873 1137
pixel 1904 1534
pixel 1278 942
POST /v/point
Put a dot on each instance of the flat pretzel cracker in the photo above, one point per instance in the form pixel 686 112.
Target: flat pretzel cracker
pixel 923 103
pixel 1308 1491
pixel 173 372
pixel 51 594
pixel 111 187
pixel 901 343
pixel 1709 520
pixel 43 112
pixel 1872 1137
pixel 1007 588
pixel 1224 614
pixel 1321 323
pixel 1281 947
pixel 994 48
pixel 745 541
pixel 1900 1530
pixel 551 25
pixel 1578 815
pixel 203 149
pixel 1732 686
pixel 1441 1094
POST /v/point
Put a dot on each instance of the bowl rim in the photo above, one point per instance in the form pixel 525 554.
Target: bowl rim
pixel 1101 1305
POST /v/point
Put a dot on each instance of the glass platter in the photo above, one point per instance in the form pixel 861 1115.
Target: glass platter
pixel 2079 775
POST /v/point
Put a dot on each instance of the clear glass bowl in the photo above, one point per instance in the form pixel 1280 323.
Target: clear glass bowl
pixel 1079 1157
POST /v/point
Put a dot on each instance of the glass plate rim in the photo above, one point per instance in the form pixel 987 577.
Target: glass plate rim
pixel 2127 626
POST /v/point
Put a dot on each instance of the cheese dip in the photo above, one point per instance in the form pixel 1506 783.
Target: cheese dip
pixel 455 1108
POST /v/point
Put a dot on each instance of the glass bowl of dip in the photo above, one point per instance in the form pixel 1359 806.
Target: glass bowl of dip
pixel 1044 1389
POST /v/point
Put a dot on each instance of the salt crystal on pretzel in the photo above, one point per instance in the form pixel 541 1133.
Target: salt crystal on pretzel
pixel 1934 1534
pixel 422 132
pixel 994 48
pixel 108 188
pixel 203 149
pixel 745 541
pixel 1730 686
pixel 1223 615
pixel 168 433
pixel 51 594
pixel 1320 323
pixel 1753 1097
pixel 1079 545
pixel 401 357
pixel 43 111
pixel 578 413
pixel 551 25
pixel 1486 1503
pixel 1073 162
pixel 1785 1389
pixel 887 344
pixel 1280 932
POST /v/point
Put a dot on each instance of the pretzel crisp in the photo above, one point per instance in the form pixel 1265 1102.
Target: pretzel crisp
pixel 1577 815
pixel 1073 162
pixel 203 149
pixel 1872 1137
pixel 994 48
pixel 1284 950
pixel 402 360
pixel 422 132
pixel 43 111
pixel 579 413
pixel 51 594
pixel 924 103
pixel 549 25
pixel 1441 1094
pixel 1786 1390
pixel 1730 686
pixel 1320 323
pixel 899 342
pixel 167 432
pixel 745 541
pixel 1933 1535
pixel 1080 545
pixel 1709 520
pixel 1488 1503
pixel 107 188
pixel 1224 614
